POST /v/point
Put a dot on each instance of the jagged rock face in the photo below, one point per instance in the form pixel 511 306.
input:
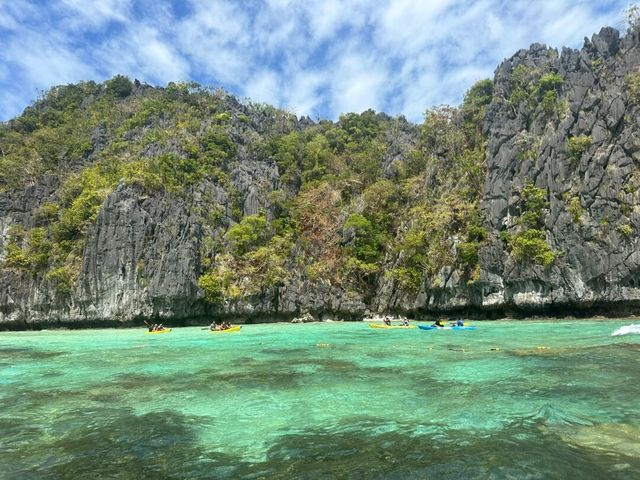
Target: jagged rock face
pixel 140 259
pixel 143 255
pixel 597 263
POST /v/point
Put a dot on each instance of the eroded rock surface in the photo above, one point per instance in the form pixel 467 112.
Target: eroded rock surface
pixel 144 254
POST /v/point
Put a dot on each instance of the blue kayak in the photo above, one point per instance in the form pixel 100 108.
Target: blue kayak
pixel 431 327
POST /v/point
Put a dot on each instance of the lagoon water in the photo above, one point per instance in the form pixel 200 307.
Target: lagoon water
pixel 510 400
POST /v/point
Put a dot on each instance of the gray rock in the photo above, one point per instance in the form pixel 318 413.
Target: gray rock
pixel 144 254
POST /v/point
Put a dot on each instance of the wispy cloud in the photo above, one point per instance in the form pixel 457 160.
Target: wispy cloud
pixel 318 57
pixel 95 14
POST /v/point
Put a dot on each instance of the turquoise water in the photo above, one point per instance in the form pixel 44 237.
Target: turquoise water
pixel 521 400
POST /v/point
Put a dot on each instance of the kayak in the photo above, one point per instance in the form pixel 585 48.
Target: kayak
pixel 431 327
pixel 164 330
pixel 228 330
pixel 376 325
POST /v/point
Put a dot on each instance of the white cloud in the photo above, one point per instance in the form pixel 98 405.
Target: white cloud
pixel 32 63
pixel 216 40
pixel 154 57
pixel 302 94
pixel 14 13
pixel 406 26
pixel 44 60
pixel 357 82
pixel 318 57
pixel 87 15
pixel 327 17
pixel 7 19
pixel 264 86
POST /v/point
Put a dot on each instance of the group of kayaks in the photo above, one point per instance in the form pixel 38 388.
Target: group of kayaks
pixel 424 327
pixel 226 330
pixel 372 325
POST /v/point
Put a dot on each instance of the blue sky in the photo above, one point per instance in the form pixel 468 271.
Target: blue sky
pixel 317 57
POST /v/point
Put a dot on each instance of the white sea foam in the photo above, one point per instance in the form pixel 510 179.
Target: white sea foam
pixel 626 330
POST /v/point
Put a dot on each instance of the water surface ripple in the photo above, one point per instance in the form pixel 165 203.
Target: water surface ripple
pixel 511 400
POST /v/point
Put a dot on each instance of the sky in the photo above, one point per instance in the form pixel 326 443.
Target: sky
pixel 312 57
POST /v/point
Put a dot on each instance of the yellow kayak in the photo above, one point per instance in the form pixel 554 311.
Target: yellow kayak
pixel 228 330
pixel 377 325
pixel 164 330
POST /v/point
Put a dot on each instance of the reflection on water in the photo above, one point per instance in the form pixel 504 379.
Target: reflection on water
pixel 509 400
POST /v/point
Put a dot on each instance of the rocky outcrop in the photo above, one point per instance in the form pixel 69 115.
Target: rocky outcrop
pixel 140 259
pixel 593 219
pixel 143 255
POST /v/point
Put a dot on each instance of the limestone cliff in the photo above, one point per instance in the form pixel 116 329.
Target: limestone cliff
pixel 559 203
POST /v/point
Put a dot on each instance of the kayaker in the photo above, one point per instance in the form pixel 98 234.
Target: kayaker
pixel 459 323
pixel 405 322
pixel 387 321
pixel 438 323
pixel 213 326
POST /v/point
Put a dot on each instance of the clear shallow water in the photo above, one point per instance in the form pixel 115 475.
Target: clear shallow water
pixel 523 400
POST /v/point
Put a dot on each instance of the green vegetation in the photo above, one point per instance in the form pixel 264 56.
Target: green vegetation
pixel 120 86
pixel 528 146
pixel 366 248
pixel 62 278
pixel 632 183
pixel 213 286
pixel 633 85
pixel 444 225
pixel 531 245
pixel 575 209
pixel 521 82
pixel 366 196
pixel 473 107
pixel 534 203
pixel 29 251
pixel 577 146
pixel 625 229
pixel 531 88
pixel 548 89
pixel 250 233
pixel 528 243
